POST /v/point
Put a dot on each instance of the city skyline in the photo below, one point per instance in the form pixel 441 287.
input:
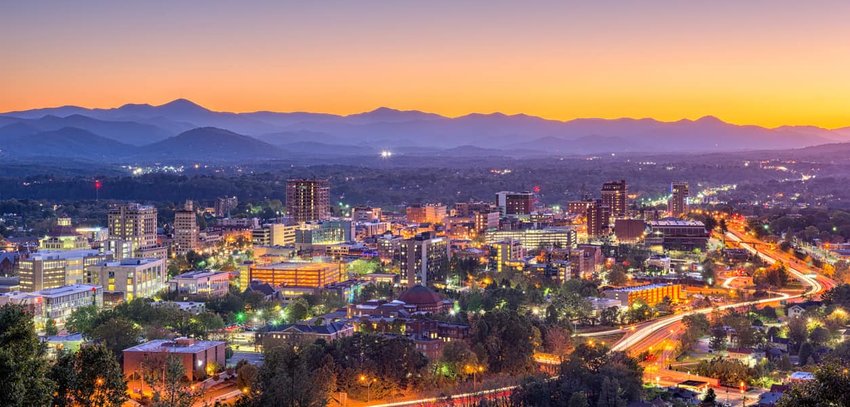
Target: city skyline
pixel 756 63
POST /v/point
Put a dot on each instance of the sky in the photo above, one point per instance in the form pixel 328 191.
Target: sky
pixel 764 62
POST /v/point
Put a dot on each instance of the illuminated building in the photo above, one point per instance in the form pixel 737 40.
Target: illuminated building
pixel 308 200
pixel 422 257
pixel 274 234
pixel 365 214
pixel 51 269
pixel 298 274
pixel 201 282
pixel 200 359
pixel 324 233
pixel 485 220
pixel 55 304
pixel 649 294
pixel 427 213
pixel 185 229
pixel 63 237
pixel 678 203
pixel 132 278
pixel 133 223
pixel 304 333
pixel 614 195
pixel 515 203
pixel 534 238
pixel 506 252
pixel 579 207
pixel 677 234
pixel 598 215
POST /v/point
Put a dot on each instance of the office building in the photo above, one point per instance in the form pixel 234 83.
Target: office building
pixel 298 274
pixel 485 219
pixel 308 200
pixel 423 257
pixel 532 239
pixel 426 213
pixel 678 203
pixel 224 206
pixel 629 230
pixel 55 304
pixel 185 229
pixel 515 203
pixel 579 207
pixel 329 232
pixel 51 269
pixel 201 282
pixel 507 251
pixel 598 215
pixel 134 223
pixel 274 234
pixel 614 196
pixel 676 234
pixel 132 278
pixel 200 359
pixel 365 214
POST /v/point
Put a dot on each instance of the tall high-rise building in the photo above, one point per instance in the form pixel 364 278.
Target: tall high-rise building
pixel 225 205
pixel 598 214
pixel 424 257
pixel 185 229
pixel 678 203
pixel 515 203
pixel 133 222
pixel 308 200
pixel 614 196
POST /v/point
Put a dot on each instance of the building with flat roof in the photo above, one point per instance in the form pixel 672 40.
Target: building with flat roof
pixel 426 213
pixel 515 203
pixel 677 234
pixel 531 239
pixel 55 303
pixel 298 274
pixel 200 359
pixel 423 257
pixel 201 282
pixel 614 195
pixel 51 269
pixel 133 223
pixel 678 203
pixel 186 230
pixel 651 294
pixel 308 200
pixel 132 277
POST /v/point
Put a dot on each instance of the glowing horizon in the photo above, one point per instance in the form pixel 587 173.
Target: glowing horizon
pixel 768 63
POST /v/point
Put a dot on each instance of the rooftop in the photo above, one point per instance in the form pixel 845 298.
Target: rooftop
pixel 179 345
pixel 199 274
pixel 640 288
pixel 676 222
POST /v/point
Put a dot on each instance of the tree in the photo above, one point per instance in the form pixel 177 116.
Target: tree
pixel 609 395
pixel 578 399
pixel 459 360
pixel 50 328
pixel 91 376
pixel 294 377
pixel 117 334
pixel 831 387
pixel 166 377
pixel 504 335
pixel 710 398
pixel 798 332
pixel 246 376
pixel 718 338
pixel 82 319
pixel 23 368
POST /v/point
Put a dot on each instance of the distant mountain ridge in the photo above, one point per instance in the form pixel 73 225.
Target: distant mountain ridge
pixel 182 129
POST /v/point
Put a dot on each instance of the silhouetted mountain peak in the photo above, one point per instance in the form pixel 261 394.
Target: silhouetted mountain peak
pixel 183 105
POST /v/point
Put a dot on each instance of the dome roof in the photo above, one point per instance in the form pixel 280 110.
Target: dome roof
pixel 419 295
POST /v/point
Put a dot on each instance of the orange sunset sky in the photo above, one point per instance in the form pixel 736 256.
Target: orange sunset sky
pixel 757 62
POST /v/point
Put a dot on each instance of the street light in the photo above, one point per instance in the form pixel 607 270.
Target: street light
pixel 367 381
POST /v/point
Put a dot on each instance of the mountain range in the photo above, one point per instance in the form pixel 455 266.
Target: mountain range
pixel 183 130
